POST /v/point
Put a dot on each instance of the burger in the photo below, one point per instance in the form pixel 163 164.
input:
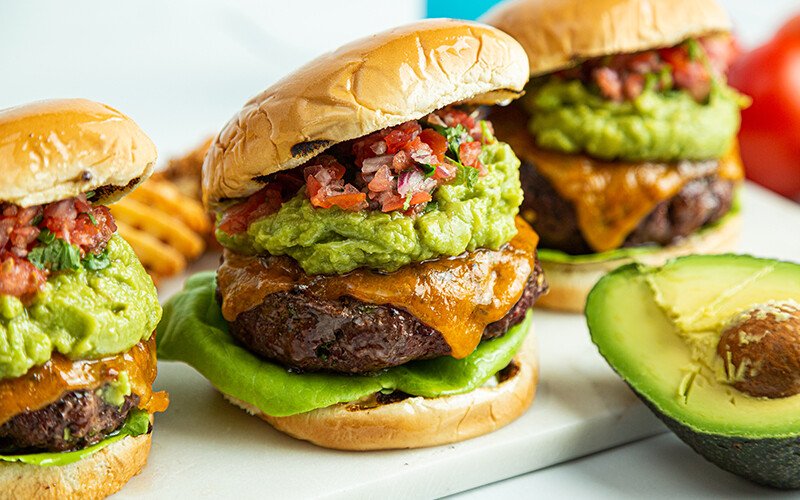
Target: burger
pixel 77 309
pixel 375 286
pixel 627 134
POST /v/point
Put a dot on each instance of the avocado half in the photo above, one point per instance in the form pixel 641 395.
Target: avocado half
pixel 659 327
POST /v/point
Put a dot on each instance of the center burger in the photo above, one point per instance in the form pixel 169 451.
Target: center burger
pixel 77 309
pixel 376 284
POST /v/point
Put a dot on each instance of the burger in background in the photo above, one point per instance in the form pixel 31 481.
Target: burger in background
pixel 77 309
pixel 376 282
pixel 627 134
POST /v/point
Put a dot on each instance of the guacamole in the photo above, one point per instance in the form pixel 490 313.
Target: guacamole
pixel 460 218
pixel 568 116
pixel 81 314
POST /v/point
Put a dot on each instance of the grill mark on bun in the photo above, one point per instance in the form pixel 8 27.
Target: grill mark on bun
pixel 308 147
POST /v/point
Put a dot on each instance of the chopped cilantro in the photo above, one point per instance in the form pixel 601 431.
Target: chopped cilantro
pixel 428 169
pixel 96 262
pixel 486 134
pixel 54 253
pixel 46 236
pixel 37 220
pixel 694 49
pixel 466 175
pixel 454 136
pixel 430 207
pixel 407 203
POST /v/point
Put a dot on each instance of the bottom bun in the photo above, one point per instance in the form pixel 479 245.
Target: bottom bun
pixel 417 422
pixel 571 283
pixel 96 476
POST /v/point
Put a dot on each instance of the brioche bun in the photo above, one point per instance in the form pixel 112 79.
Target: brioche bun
pixel 96 476
pixel 558 34
pixel 58 149
pixel 370 84
pixel 570 284
pixel 417 422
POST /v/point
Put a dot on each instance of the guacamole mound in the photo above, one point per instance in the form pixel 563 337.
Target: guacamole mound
pixel 332 241
pixel 81 314
pixel 568 116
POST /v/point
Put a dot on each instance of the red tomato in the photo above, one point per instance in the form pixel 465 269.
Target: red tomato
pixel 469 152
pixel 770 133
pixel 436 141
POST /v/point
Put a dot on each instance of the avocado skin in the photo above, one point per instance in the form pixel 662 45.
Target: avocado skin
pixel 772 462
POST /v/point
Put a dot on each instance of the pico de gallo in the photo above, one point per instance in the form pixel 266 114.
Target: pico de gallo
pixel 690 66
pixel 394 169
pixel 39 240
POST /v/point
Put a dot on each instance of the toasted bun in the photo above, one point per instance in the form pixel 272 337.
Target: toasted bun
pixel 52 150
pixel 416 422
pixel 558 34
pixel 570 284
pixel 376 82
pixel 96 476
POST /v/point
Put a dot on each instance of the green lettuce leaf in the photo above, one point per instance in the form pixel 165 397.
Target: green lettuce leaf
pixel 557 256
pixel 138 423
pixel 194 331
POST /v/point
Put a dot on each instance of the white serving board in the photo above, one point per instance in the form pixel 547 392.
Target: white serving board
pixel 204 447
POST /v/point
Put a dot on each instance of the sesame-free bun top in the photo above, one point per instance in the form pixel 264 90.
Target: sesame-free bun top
pixel 558 34
pixel 57 149
pixel 375 82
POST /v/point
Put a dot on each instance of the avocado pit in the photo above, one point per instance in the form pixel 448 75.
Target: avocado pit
pixel 760 350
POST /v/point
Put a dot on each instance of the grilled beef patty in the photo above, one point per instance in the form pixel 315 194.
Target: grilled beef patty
pixel 700 202
pixel 79 419
pixel 308 333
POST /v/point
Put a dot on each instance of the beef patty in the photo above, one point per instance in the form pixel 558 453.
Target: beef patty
pixel 700 202
pixel 79 419
pixel 308 333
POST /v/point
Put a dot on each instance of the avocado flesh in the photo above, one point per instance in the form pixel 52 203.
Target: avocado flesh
pixel 659 327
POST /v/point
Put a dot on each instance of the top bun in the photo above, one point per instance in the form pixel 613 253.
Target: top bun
pixel 53 150
pixel 558 34
pixel 376 82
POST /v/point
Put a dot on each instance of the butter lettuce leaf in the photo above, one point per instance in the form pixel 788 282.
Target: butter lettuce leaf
pixel 194 331
pixel 138 423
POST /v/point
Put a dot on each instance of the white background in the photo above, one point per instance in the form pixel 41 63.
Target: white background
pixel 182 68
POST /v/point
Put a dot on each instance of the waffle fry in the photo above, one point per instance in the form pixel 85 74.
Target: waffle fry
pixel 164 196
pixel 166 228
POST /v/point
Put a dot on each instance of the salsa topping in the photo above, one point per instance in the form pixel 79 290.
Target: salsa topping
pixel 691 66
pixel 36 241
pixel 394 169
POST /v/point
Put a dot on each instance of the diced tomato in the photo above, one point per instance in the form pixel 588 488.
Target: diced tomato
pixel 436 141
pixel 396 202
pixel 351 201
pixel 237 218
pixel 18 277
pixel 421 197
pixel 382 180
pixel 401 161
pixel 401 135
pixel 469 153
pixel 453 117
